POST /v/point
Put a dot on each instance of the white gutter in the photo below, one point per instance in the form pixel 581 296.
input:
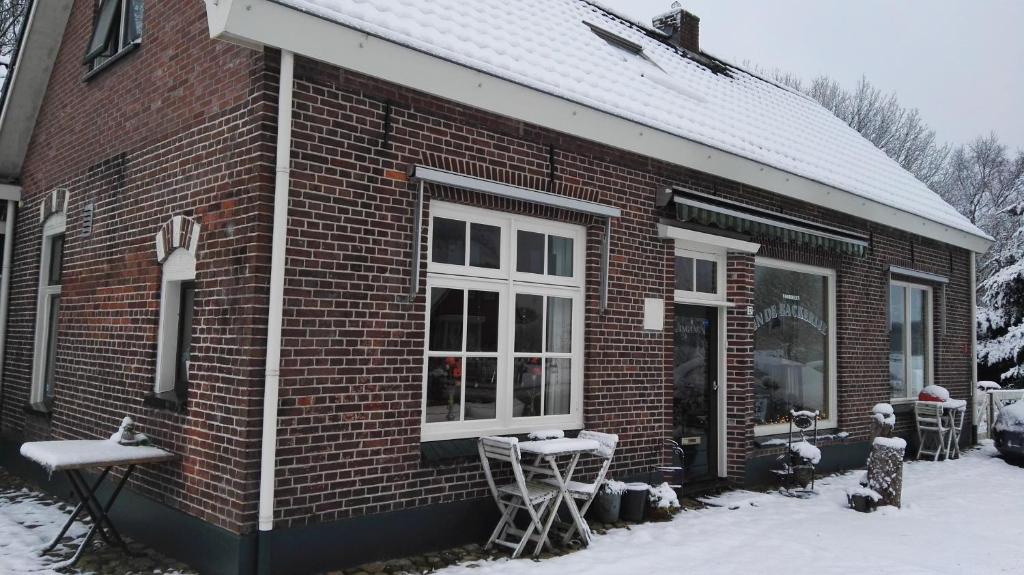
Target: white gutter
pixel 257 23
pixel 974 337
pixel 268 455
pixel 5 281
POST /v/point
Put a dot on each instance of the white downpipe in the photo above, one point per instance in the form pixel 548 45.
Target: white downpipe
pixel 5 281
pixel 268 456
pixel 974 331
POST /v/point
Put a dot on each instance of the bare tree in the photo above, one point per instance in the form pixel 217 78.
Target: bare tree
pixel 981 180
pixel 898 131
pixel 12 12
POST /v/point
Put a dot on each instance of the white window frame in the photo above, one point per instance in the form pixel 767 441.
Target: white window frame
pixel 928 335
pixel 507 282
pixel 708 253
pixel 55 225
pixel 832 388
pixel 124 43
pixel 178 268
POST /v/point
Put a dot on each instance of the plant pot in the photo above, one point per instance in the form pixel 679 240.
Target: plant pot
pixel 634 502
pixel 607 507
pixel 862 503
pixel 802 475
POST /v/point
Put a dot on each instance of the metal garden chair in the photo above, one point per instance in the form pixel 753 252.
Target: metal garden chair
pixel 932 429
pixel 534 497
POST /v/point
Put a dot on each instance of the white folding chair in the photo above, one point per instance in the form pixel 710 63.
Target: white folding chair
pixel 955 422
pixel 587 492
pixel 534 497
pixel 931 429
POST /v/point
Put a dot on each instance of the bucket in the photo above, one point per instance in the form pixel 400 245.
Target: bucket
pixel 607 506
pixel 634 502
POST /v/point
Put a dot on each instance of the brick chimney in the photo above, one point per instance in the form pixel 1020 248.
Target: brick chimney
pixel 683 27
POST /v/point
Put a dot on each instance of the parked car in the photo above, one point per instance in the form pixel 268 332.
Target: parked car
pixel 1009 431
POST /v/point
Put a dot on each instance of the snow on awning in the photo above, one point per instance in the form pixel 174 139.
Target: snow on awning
pixel 723 214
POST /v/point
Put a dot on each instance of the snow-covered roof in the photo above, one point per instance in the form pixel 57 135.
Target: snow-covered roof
pixel 551 46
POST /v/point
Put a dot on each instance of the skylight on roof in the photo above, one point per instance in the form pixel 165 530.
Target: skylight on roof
pixel 616 40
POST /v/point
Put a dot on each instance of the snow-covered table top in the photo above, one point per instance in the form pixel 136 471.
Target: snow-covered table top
pixel 561 446
pixel 84 453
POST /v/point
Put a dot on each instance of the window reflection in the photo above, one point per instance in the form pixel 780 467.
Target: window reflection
pixel 790 343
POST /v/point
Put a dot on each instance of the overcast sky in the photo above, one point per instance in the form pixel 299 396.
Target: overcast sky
pixel 961 62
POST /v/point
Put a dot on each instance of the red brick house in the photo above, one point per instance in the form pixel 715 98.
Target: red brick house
pixel 316 247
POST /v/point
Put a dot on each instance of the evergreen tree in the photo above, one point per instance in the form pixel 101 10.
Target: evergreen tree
pixel 1001 311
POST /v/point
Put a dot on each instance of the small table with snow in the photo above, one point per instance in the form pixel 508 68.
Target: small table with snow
pixel 74 456
pixel 549 451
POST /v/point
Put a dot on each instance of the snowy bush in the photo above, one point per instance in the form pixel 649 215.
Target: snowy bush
pixel 806 451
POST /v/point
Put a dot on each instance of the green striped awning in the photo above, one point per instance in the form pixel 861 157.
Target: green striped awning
pixel 731 216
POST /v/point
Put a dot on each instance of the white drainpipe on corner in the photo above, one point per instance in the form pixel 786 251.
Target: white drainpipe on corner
pixel 5 281
pixel 268 456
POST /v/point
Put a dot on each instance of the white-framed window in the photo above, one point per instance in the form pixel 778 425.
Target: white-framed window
pixel 794 344
pixel 910 339
pixel 51 264
pixel 504 325
pixel 700 274
pixel 177 304
pixel 117 28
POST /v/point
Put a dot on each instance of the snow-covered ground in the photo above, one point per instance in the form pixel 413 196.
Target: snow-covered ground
pixel 29 520
pixel 959 517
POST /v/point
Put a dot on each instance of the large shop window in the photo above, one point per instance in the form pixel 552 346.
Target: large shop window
pixel 504 324
pixel 910 337
pixel 794 343
pixel 51 264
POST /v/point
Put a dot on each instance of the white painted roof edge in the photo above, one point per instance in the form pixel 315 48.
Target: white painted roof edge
pixel 40 43
pixel 256 23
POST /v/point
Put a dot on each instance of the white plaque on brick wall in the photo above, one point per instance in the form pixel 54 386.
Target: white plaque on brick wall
pixel 654 314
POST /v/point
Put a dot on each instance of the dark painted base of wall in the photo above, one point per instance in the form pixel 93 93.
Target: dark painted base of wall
pixel 834 458
pixel 351 542
pixel 296 551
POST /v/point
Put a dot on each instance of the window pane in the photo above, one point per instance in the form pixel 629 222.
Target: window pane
pixel 560 256
pixel 790 344
pixel 449 244
pixel 445 319
pixel 481 387
pixel 444 389
pixel 133 24
pixel 918 339
pixel 56 259
pixel 51 346
pixel 484 246
pixel 559 325
pixel 897 355
pixel 185 313
pixel 106 25
pixel 557 383
pixel 684 273
pixel 526 388
pixel 529 311
pixel 706 275
pixel 530 252
pixel 482 321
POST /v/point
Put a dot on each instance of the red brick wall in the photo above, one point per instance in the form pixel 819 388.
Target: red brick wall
pixel 351 379
pixel 179 126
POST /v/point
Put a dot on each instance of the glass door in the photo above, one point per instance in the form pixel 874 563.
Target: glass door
pixel 695 397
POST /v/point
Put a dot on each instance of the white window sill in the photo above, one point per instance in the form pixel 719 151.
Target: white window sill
pixel 444 432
